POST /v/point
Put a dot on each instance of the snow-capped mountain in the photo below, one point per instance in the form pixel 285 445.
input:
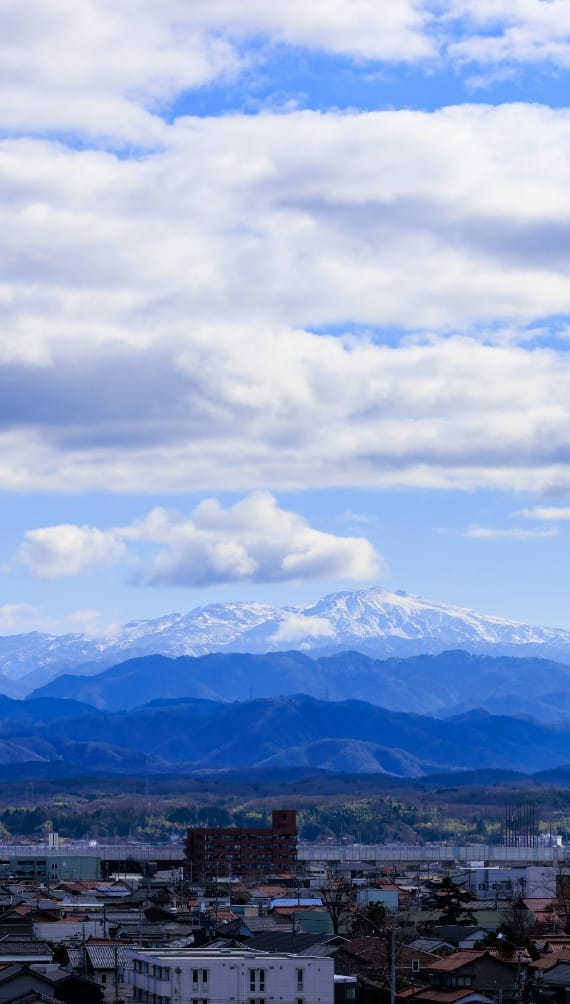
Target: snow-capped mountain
pixel 374 621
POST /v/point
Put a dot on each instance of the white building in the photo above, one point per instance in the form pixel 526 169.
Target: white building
pixel 232 976
pixel 526 881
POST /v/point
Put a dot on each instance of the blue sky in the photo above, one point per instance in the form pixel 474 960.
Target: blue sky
pixel 285 305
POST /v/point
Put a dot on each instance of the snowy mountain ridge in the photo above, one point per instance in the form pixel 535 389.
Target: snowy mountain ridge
pixel 374 621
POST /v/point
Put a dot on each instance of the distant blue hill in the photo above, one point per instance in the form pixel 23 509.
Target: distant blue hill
pixel 278 733
pixel 444 684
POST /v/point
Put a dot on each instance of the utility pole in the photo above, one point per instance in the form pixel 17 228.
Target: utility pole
pixel 116 975
pixel 393 959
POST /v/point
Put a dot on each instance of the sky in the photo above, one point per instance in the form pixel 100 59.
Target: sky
pixel 284 305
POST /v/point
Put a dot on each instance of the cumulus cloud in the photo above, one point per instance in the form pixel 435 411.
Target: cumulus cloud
pixel 254 541
pixel 122 63
pixel 296 628
pixel 54 551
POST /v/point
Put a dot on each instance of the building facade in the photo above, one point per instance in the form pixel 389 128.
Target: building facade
pixel 220 852
pixel 234 976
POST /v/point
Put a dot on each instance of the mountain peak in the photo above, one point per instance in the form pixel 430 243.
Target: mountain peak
pixel 372 621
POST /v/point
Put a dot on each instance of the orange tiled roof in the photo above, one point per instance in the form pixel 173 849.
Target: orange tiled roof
pixel 461 958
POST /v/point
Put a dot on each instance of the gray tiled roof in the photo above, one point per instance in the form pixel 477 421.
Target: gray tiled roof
pixel 106 956
pixel 35 997
pixel 25 948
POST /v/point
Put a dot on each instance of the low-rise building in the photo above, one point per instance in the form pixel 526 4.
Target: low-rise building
pixel 235 976
pixel 480 970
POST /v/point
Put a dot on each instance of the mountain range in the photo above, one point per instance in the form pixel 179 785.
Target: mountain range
pixel 446 684
pixel 189 736
pixel 374 622
pixel 360 682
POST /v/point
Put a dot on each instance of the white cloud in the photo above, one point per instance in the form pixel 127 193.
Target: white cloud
pixel 92 623
pixel 122 63
pixel 16 616
pixel 155 312
pixel 487 533
pixel 54 551
pixel 253 540
pixel 126 63
pixel 19 618
pixel 511 31
pixel 295 628
pixel 356 518
pixel 546 513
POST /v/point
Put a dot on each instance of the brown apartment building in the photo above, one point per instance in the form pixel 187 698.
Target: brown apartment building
pixel 221 851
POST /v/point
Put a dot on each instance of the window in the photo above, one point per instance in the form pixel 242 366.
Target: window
pixel 257 980
pixel 200 978
pixel 161 972
pixel 299 981
pixel 459 981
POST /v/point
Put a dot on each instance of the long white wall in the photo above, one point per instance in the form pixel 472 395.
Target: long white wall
pixel 431 853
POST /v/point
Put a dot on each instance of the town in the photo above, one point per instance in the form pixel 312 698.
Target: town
pixel 253 915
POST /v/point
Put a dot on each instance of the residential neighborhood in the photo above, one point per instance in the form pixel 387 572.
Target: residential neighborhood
pixel 236 925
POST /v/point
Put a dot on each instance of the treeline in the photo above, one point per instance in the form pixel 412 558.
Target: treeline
pixel 155 818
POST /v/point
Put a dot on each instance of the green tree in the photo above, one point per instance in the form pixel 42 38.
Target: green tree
pixel 453 902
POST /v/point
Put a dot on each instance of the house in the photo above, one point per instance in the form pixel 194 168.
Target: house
pixel 428 995
pixel 369 957
pixel 18 950
pixel 344 989
pixel 50 982
pixel 433 946
pixel 104 963
pixel 482 970
pixel 549 977
pixel 460 935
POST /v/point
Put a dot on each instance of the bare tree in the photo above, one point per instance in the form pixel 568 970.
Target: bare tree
pixel 517 922
pixel 562 904
pixel 338 901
